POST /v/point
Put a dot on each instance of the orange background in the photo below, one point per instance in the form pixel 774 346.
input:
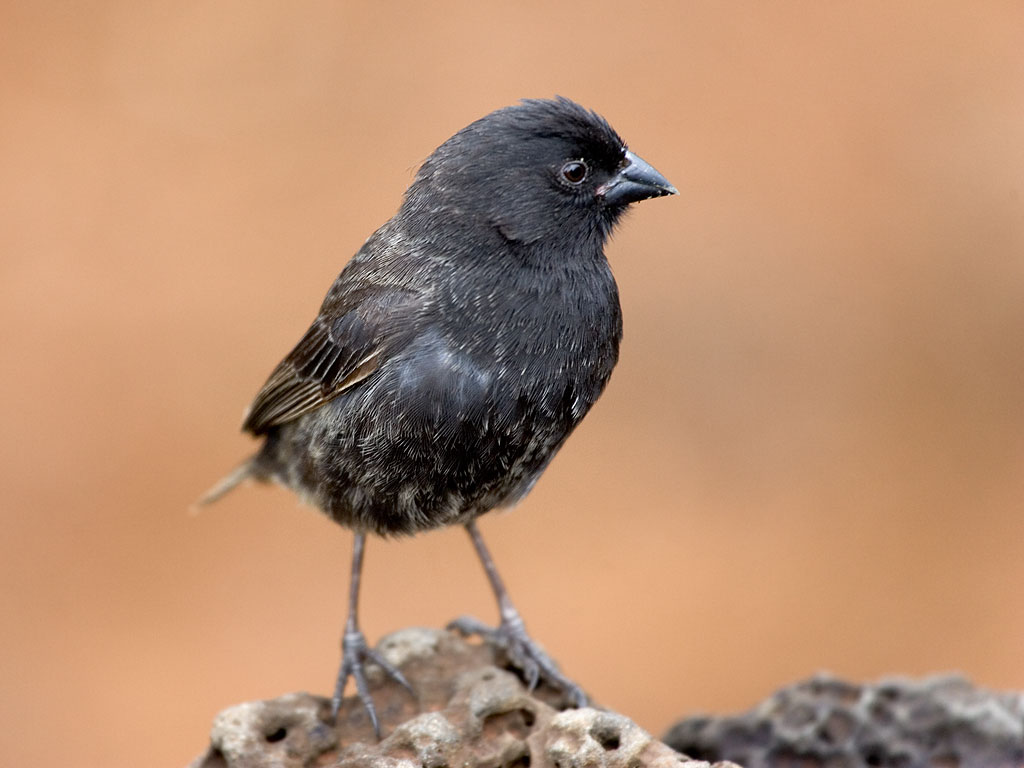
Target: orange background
pixel 810 457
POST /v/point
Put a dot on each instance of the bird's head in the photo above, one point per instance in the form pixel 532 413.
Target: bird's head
pixel 540 169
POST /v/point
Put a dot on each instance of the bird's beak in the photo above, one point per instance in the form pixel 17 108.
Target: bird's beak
pixel 635 180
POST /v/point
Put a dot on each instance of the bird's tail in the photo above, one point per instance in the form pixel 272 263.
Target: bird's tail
pixel 228 483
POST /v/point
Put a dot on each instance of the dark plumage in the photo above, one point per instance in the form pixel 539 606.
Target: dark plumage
pixel 461 345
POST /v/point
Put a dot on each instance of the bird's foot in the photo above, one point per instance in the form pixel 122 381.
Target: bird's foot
pixel 354 652
pixel 524 653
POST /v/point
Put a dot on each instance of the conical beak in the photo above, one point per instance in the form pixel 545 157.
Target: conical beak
pixel 636 180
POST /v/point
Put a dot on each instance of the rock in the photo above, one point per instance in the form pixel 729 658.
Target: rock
pixel 939 722
pixel 281 732
pixel 468 709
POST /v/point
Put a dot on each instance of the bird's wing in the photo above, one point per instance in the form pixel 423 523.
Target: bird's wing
pixel 343 347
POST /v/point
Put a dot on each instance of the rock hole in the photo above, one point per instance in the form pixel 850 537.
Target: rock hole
pixel 278 735
pixel 522 761
pixel 518 722
pixel 874 755
pixel 607 736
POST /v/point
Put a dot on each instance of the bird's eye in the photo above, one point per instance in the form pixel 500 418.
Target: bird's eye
pixel 575 171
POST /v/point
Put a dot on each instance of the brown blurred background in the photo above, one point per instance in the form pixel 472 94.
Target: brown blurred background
pixel 811 455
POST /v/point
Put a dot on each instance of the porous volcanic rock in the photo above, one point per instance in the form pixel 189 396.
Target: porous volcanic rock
pixel 468 708
pixel 824 722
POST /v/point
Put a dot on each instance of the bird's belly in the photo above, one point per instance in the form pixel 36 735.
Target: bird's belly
pixel 441 433
pixel 438 437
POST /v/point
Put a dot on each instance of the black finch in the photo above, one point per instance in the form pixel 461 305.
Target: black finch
pixel 459 348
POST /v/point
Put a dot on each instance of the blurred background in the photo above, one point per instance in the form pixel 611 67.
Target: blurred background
pixel 811 456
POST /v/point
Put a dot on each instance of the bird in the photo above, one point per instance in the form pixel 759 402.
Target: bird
pixel 457 351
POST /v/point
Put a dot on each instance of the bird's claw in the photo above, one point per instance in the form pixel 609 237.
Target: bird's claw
pixel 525 654
pixel 354 652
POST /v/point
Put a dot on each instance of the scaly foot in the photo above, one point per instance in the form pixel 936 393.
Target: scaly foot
pixel 525 654
pixel 354 652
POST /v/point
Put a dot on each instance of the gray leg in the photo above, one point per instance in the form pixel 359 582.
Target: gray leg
pixel 511 635
pixel 354 649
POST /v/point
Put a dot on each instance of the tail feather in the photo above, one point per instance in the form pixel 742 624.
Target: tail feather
pixel 226 484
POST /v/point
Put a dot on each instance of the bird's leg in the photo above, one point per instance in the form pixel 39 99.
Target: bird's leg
pixel 354 649
pixel 511 635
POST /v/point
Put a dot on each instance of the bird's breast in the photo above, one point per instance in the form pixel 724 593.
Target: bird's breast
pixel 538 334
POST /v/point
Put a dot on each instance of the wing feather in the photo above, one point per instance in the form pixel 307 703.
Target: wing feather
pixel 337 352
